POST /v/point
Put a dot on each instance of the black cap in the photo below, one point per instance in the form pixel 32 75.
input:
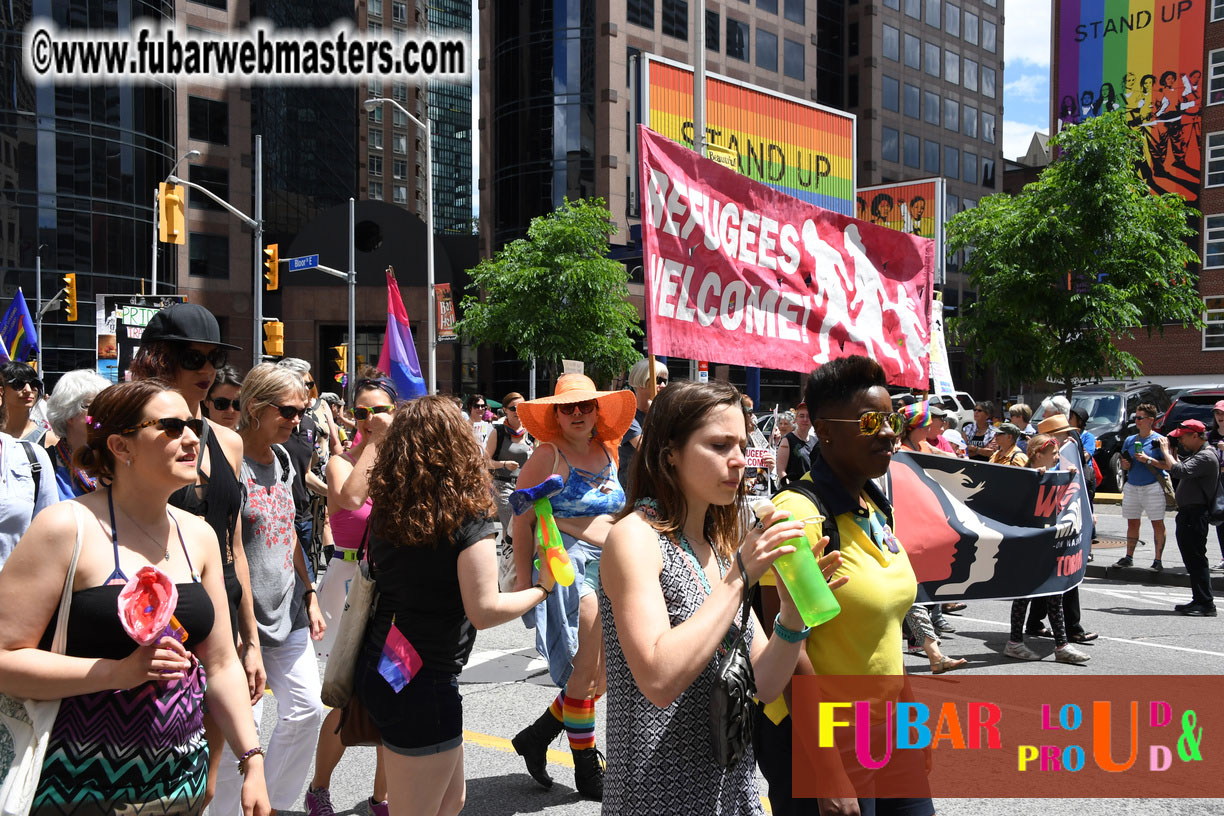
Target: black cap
pixel 186 323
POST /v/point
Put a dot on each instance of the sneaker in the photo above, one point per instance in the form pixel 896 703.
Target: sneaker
pixel 1125 561
pixel 1218 567
pixel 943 627
pixel 1072 655
pixel 1020 651
pixel 378 808
pixel 318 802
pixel 1157 566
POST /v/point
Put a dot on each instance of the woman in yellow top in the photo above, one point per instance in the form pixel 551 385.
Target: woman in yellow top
pixel 1009 453
pixel 853 419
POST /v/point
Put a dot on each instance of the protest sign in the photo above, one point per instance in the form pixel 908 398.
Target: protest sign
pixel 756 457
pixel 740 273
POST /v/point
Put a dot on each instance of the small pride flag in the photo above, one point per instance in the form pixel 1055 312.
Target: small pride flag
pixel 399 661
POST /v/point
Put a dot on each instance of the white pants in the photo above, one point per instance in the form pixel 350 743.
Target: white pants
pixel 293 676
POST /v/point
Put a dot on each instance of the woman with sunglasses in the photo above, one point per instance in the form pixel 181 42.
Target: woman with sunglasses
pixel 182 346
pixel 129 734
pixel 507 450
pixel 578 430
pixel 348 508
pixel 852 417
pixel 476 408
pixel 27 485
pixel 67 410
pixel 272 401
pixel 22 390
pixel 221 404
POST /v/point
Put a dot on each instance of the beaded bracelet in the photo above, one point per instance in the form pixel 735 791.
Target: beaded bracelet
pixel 243 759
pixel 790 635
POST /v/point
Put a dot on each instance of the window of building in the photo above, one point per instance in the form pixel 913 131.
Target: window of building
pixel 988 127
pixel 1217 10
pixel 401 194
pixel 932 12
pixel 675 19
pixel 890 93
pixel 852 39
pixel 398 118
pixel 988 173
pixel 969 167
pixel 400 143
pixel 375 164
pixel 931 100
pixel 208 255
pixel 376 139
pixel 375 115
pixel 952 19
pixel 766 50
pixel 913 151
pixel 913 52
pixel 971 28
pixel 374 8
pixel 952 67
pixel 768 5
pixel 913 8
pixel 1213 241
pixel 399 91
pixel 213 179
pixel 208 120
pixel 970 119
pixel 951 118
pixel 640 12
pixel 399 168
pixel 1215 159
pixel 375 88
pixel 952 205
pixel 1213 320
pixel 951 162
pixel 988 36
pixel 891 43
pixel 376 190
pixel 1215 76
pixel 913 101
pixel 217 4
pixel 930 52
pixel 713 32
pixel 988 82
pixel 399 12
pixel 893 4
pixel 737 39
pixel 889 139
pixel 931 161
pixel 795 11
pixel 374 27
pixel 793 59
pixel 971 74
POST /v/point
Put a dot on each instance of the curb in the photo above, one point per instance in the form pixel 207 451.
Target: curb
pixel 1170 576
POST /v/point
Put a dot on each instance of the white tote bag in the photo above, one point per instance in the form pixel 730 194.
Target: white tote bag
pixel 25 725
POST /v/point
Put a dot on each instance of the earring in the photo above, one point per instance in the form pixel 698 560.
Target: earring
pixel 128 462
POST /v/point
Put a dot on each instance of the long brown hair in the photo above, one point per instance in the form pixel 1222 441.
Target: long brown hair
pixel 112 411
pixel 676 413
pixel 430 477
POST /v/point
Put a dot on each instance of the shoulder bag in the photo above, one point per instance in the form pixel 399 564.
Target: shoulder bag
pixel 338 677
pixel 25 725
pixel 731 707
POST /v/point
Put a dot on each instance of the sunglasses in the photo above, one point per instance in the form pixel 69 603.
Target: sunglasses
pixel 480 406
pixel 291 412
pixel 224 403
pixel 193 360
pixel 872 422
pixel 171 426
pixel 20 383
pixel 660 381
pixel 512 409
pixel 362 413
pixel 309 383
pixel 581 407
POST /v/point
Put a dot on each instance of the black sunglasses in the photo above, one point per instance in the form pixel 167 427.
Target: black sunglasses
pixel 361 413
pixel 21 382
pixel 309 383
pixel 193 360
pixel 224 403
pixel 480 405
pixel 171 426
pixel 291 412
pixel 660 381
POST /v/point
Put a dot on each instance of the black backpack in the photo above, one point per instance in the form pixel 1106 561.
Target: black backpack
pixel 829 526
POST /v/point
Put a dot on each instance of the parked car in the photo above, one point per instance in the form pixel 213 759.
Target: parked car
pixel 958 403
pixel 1194 404
pixel 1110 406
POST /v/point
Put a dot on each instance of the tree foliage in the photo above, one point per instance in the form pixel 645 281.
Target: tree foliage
pixel 1080 258
pixel 555 294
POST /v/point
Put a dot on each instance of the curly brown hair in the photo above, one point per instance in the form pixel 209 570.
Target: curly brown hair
pixel 430 477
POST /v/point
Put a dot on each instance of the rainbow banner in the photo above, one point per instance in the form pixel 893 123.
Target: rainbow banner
pixel 796 147
pixel 1145 58
pixel 916 207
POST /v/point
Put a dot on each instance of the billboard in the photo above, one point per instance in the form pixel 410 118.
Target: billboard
pixel 1145 58
pixel 796 147
pixel 916 207
pixel 120 322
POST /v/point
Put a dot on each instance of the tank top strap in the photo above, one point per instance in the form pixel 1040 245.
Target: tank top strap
pixel 195 576
pixel 117 575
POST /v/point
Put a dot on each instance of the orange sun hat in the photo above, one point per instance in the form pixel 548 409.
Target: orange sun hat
pixel 615 414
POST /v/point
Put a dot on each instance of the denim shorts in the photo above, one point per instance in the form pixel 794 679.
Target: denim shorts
pixel 424 718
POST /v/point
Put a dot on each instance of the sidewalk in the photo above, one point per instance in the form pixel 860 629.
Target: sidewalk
pixel 1111 545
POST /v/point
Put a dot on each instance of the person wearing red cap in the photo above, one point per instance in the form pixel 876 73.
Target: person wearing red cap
pixel 1198 471
pixel 1215 438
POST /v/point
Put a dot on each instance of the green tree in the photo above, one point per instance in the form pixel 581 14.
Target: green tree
pixel 1080 258
pixel 556 295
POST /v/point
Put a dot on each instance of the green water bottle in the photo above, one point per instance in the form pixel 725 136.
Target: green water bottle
pixel 804 580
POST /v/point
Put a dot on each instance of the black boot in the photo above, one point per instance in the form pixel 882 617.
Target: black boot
pixel 589 772
pixel 532 745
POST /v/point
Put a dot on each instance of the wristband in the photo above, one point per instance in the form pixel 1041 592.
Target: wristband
pixel 547 592
pixel 790 635
pixel 307 594
pixel 242 760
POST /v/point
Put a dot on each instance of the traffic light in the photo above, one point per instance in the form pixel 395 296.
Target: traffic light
pixel 70 296
pixel 272 264
pixel 341 360
pixel 172 219
pixel 274 338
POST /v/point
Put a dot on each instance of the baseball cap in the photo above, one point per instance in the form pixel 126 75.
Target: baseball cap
pixel 1219 406
pixel 186 323
pixel 938 412
pixel 1010 428
pixel 1188 426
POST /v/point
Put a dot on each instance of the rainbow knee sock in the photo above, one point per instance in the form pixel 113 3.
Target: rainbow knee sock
pixel 579 722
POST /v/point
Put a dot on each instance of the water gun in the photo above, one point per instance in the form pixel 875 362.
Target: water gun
pixel 146 607
pixel 548 537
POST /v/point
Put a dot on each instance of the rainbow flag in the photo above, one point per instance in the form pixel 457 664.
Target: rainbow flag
pixel 399 661
pixel 18 339
pixel 398 357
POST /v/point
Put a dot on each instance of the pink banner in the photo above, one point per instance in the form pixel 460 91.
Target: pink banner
pixel 737 272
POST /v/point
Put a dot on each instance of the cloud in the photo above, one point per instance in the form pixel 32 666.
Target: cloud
pixel 1017 136
pixel 1027 88
pixel 1027 39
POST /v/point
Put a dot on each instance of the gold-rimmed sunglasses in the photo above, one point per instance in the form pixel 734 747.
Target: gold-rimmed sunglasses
pixel 872 422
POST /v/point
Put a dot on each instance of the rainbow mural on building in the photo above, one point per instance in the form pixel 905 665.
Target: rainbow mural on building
pixel 916 207
pixel 797 147
pixel 1144 57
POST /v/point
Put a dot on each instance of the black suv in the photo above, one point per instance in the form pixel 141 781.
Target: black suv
pixel 1197 403
pixel 1110 406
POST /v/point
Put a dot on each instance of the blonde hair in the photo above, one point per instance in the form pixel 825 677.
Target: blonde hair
pixel 264 385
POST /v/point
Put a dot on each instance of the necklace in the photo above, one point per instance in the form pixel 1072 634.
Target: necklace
pixel 146 534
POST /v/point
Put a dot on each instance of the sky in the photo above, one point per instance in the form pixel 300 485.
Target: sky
pixel 1026 77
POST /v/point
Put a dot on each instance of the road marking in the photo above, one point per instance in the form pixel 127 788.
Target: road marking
pixel 1133 595
pixel 1116 640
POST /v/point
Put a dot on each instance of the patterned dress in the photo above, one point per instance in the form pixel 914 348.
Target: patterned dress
pixel 662 760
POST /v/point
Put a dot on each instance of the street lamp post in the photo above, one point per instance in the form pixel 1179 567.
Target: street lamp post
pixel 431 380
pixel 190 155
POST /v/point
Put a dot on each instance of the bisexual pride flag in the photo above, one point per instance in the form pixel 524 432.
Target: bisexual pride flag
pixel 399 661
pixel 398 357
